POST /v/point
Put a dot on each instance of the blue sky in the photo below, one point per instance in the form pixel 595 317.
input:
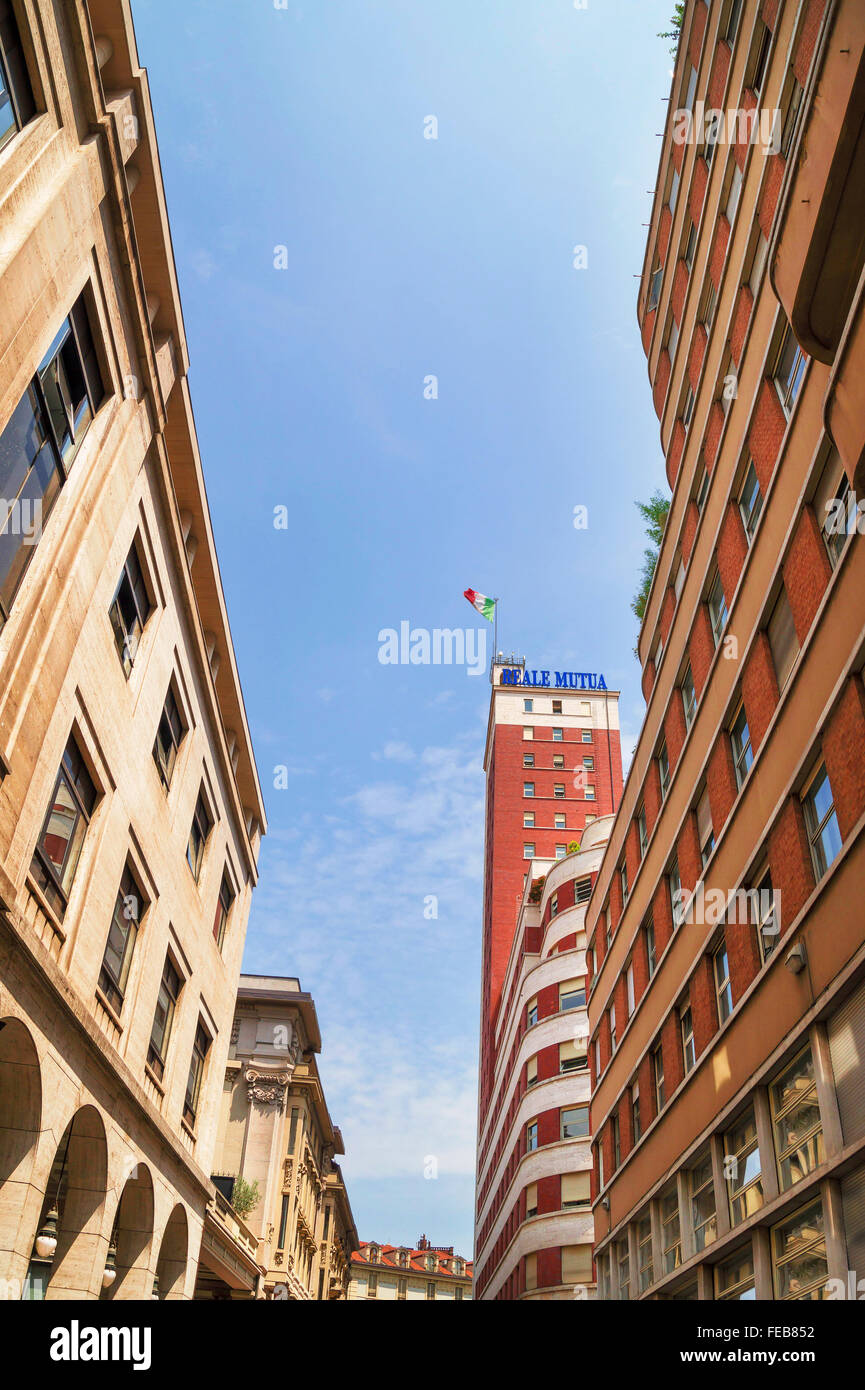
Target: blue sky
pixel 303 128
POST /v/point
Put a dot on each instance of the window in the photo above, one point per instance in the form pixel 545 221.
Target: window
pixel 531 1200
pixel 559 790
pixel 703 1215
pixel 644 1249
pixel 130 609
pixel 691 91
pixel 623 882
pixel 402 1288
pixel 679 582
pixel 597 1050
pixel 642 833
pixel 587 735
pixel 617 1145
pixel 742 1163
pixel 589 764
pixel 623 1264
pixel 223 909
pixel 822 822
pixel 573 1056
pixel 629 987
pixel 129 908
pixel 431 1291
pixel 734 13
pixel 531 1013
pixel 635 1112
pixel 758 264
pixel 796 1121
pixel 664 769
pixel 528 705
pixel 689 1052
pixel 561 851
pixel 783 642
pixel 705 829
pixel 531 1136
pixel 702 488
pixel 528 851
pixel 200 1049
pixel 169 736
pixel 733 192
pixel 760 58
pixel 750 501
pixel 799 1264
pixel 673 192
pixel 557 706
pixel 589 794
pixel 612 1015
pixel 583 890
pixel 572 995
pixel 283 1222
pixel 372 1284
pixel 575 1122
pixel 528 733
pixel 734 1278
pixel 17 106
pixel 676 895
pixel 689 696
pixel 559 820
pixel 558 735
pixel 608 925
pixel 690 245
pixel 707 304
pixel 528 820
pixel 528 760
pixel 655 289
pixel 58 848
pixel 711 142
pixel 791 117
pixel 202 824
pixel 717 606
pixel 658 1075
pixel 767 927
pixel 651 956
pixel 740 740
pixel 576 1190
pixel 44 433
pixel 528 788
pixel 531 1072
pixel 531 1271
pixel 671 1234
pixel 554 905
pixel 163 1018
pixel 558 760
pixel 723 988
pixel 688 407
pixel 672 335
pixel 789 369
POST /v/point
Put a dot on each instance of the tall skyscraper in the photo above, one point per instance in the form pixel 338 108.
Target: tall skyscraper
pixel 554 766
pixel 726 931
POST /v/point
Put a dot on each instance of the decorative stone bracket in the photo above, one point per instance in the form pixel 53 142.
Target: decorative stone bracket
pixel 266 1087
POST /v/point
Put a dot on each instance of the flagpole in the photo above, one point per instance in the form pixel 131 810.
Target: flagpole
pixel 495 637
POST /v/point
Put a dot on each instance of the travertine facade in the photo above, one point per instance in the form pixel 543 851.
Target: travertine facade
pixel 130 809
pixel 275 1130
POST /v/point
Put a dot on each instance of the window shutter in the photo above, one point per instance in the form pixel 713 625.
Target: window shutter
pixel 782 639
pixel 577 1264
pixel 847 1049
pixel 531 1070
pixel 576 1187
pixel 704 818
pixel 853 1202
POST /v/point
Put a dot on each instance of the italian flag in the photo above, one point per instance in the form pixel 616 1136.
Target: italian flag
pixel 485 606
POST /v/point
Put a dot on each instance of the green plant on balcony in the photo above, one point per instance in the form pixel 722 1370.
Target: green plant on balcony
pixel 245 1197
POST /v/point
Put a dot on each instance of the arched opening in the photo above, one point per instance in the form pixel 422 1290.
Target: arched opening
pixel 20 1118
pixel 171 1269
pixel 69 1251
pixel 128 1258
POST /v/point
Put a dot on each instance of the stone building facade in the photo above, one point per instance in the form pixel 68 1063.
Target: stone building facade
pixel 397 1273
pixel 130 808
pixel 275 1130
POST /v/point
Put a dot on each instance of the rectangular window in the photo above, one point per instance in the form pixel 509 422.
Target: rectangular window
pixel 531 1200
pixel 575 1122
pixel 673 194
pixel 572 995
pixel 559 790
pixel 642 832
pixel 528 733
pixel 705 829
pixel 796 1121
pixel 750 501
pixel 672 335
pixel 733 193
pixel 573 1056
pixel 740 740
pixel 691 91
pixel 689 696
pixel 554 905
pixel 200 1049
pixel 17 106
pixel 531 1271
pixel 583 890
pixel 559 821
pixel 664 770
pixel 612 1016
pixel 690 245
pixel 689 1052
pixel 635 1112
pixel 799 1263
pixel 629 988
pixel 744 1174
pixel 202 824
pixel 528 820
pixel 723 988
pixel 558 760
pixel 623 882
pixel 58 848
pixel 531 1013
pixel 651 955
pixel 163 1018
pixel 130 609
pixel 283 1222
pixel 703 1215
pixel 557 706
pixel 561 851
pixel 558 735
pixel 671 1233
pixel 528 788
pixel 528 706
pixel 223 909
pixel 531 1072
pixel 789 369
pixel 372 1284
pixel 531 1136
pixel 655 289
pixel 732 23
pixel 41 439
pixel 587 735
pixel 589 794
pixel 430 1292
pixel 644 1249
pixel 783 642
pixel 589 764
pixel 676 896
pixel 767 927
pixel 528 851
pixel 528 760
pixel 822 822
pixel 734 1278
pixel 129 908
pixel 717 605
pixel 794 106
pixel 169 736
pixel 702 488
pixel 623 1263
pixel 658 1074
pixel 617 1145
pixel 576 1190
